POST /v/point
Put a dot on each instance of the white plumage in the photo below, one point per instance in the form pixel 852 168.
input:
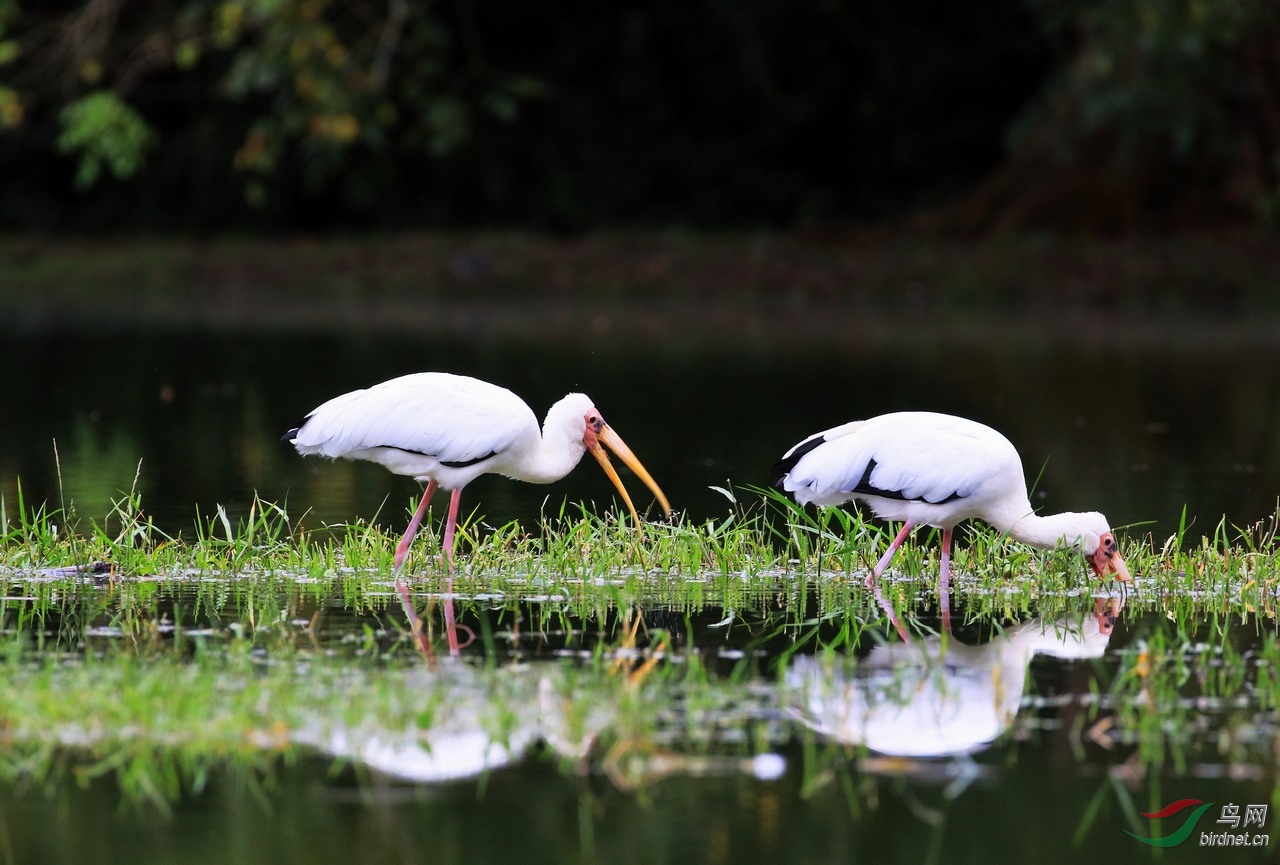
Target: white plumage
pixel 446 430
pixel 938 467
pixel 936 697
pixel 924 468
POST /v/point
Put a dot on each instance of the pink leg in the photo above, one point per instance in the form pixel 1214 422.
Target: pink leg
pixel 450 626
pixel 893 615
pixel 873 578
pixel 450 623
pixel 944 581
pixel 415 623
pixel 450 524
pixel 402 548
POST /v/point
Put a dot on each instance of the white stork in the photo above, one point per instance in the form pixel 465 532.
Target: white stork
pixel 937 470
pixel 936 697
pixel 445 430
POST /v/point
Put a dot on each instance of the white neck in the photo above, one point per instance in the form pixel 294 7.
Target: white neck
pixel 558 449
pixel 1063 638
pixel 549 460
pixel 1047 532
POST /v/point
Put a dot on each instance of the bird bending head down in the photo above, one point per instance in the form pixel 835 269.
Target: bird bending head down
pixel 576 416
pixel 597 433
pixel 924 468
pixel 1100 549
pixel 446 430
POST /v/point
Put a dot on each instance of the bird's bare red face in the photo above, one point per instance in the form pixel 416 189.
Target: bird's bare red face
pixel 1106 559
pixel 595 425
pixel 1106 611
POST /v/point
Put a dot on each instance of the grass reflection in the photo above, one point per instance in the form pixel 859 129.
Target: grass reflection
pixel 634 661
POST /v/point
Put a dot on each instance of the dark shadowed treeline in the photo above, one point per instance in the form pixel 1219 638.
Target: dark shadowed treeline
pixel 200 114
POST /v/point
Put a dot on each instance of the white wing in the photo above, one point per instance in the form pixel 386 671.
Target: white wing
pixel 454 418
pixel 917 456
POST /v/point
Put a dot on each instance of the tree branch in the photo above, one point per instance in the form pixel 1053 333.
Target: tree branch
pixel 388 42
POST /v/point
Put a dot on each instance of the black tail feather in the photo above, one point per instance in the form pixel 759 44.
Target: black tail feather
pixel 788 462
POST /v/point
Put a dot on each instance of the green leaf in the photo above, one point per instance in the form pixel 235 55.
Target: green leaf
pixel 105 132
pixel 187 54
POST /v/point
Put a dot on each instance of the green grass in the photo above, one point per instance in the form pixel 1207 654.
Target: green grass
pixel 630 651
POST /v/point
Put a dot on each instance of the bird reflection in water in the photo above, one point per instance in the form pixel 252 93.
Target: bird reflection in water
pixel 934 696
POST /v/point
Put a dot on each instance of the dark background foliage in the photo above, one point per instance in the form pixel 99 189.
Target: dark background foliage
pixel 1082 115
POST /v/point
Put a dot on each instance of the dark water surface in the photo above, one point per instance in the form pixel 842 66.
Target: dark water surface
pixel 313 819
pixel 1136 432
pixel 1013 745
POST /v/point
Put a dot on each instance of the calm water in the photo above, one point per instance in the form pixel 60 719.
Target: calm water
pixel 1001 763
pixel 315 820
pixel 1138 433
pixel 1135 433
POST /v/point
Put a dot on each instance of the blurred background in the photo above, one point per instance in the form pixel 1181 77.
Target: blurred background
pixel 291 115
pixel 733 224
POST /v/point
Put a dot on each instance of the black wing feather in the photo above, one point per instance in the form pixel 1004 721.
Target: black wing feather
pixel 788 462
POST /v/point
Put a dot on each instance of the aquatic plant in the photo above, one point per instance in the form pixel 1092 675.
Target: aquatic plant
pixel 631 653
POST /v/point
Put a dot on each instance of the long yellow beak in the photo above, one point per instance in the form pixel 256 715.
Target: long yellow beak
pixel 608 437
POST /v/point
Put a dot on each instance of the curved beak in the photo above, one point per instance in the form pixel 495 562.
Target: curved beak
pixel 1106 559
pixel 606 436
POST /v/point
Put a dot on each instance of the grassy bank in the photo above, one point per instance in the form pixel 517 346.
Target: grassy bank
pixel 658 650
pixel 762 536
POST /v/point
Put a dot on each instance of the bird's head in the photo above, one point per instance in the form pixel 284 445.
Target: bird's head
pixel 1105 612
pixel 1100 549
pixel 596 435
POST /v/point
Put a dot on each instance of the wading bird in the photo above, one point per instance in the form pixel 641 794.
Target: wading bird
pixel 446 430
pixel 936 470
